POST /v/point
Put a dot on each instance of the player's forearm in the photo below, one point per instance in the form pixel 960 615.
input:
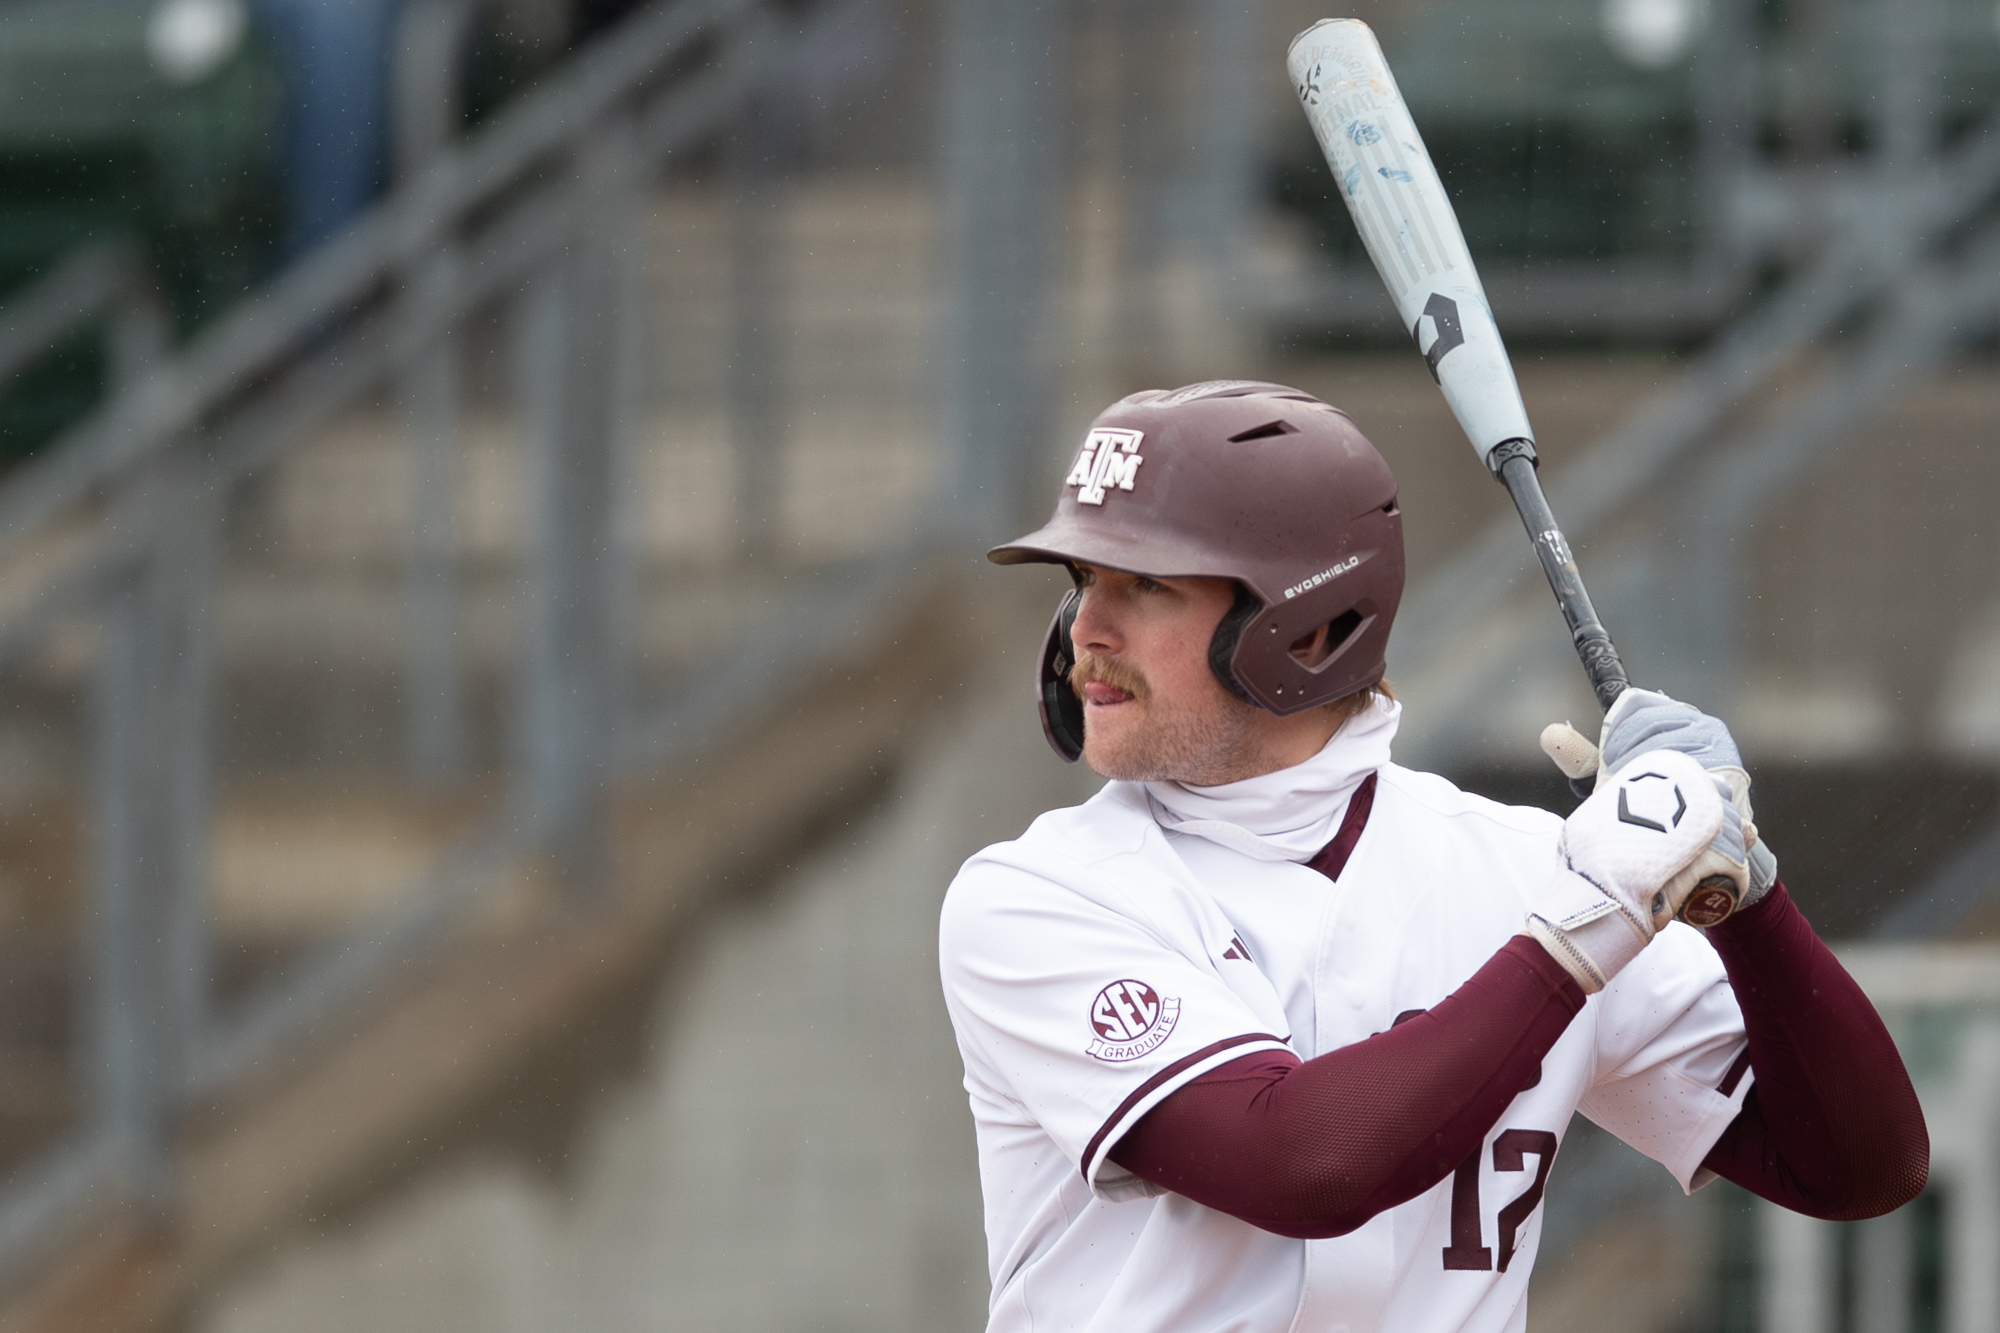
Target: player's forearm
pixel 1832 1127
pixel 1317 1148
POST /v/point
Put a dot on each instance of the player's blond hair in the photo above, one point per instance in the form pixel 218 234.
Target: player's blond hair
pixel 1348 705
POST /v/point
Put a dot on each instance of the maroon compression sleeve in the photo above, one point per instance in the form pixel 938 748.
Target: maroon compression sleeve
pixel 1831 1127
pixel 1317 1148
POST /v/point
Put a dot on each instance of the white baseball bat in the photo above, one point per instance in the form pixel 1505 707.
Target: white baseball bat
pixel 1399 206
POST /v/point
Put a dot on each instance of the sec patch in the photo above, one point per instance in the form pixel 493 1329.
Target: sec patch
pixel 1130 1019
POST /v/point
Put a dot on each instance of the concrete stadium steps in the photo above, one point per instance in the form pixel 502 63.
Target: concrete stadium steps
pixel 292 864
pixel 494 1035
pixel 855 278
pixel 845 472
pixel 789 1146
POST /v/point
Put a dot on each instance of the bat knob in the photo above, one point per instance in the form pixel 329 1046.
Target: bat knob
pixel 1713 899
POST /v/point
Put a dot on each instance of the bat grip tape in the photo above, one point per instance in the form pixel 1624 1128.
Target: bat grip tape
pixel 1514 462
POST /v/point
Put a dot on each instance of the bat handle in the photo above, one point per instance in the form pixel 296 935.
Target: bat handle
pixel 1513 462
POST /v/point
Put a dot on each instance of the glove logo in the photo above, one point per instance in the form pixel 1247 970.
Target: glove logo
pixel 1130 1019
pixel 1110 459
pixel 1652 801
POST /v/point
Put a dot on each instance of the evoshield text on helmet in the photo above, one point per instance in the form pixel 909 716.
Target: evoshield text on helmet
pixel 1254 482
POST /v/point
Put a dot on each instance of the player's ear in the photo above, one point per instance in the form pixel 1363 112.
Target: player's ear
pixel 1309 650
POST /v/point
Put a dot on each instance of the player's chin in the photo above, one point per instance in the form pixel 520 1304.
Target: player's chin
pixel 1112 744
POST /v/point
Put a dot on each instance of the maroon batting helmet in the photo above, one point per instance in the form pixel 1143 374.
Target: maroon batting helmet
pixel 1258 483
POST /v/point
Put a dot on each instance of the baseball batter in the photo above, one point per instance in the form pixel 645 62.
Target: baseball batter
pixel 1272 1034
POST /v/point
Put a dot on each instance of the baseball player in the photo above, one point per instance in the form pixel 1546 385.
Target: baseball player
pixel 1272 1034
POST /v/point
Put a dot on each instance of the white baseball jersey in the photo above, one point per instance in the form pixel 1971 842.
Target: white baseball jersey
pixel 1101 961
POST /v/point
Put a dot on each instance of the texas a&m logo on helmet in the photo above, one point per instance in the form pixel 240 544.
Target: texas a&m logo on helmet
pixel 1110 459
pixel 1130 1019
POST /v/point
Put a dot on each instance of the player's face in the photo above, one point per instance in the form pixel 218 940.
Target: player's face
pixel 1152 709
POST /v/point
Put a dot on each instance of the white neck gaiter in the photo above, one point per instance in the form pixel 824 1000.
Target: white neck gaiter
pixel 1291 814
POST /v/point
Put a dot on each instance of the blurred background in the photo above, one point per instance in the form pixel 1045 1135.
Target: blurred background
pixel 496 669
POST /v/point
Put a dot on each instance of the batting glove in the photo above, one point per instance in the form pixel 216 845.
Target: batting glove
pixel 1656 840
pixel 1648 720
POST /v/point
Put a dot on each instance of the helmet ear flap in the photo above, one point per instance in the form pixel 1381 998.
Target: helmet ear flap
pixel 1222 647
pixel 1061 710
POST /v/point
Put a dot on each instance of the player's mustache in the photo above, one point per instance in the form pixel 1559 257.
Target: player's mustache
pixel 1106 671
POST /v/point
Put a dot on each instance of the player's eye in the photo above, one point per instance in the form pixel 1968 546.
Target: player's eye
pixel 1144 584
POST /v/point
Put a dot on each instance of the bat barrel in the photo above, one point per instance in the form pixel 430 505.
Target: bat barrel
pixel 1391 189
pixel 1514 463
pixel 1401 211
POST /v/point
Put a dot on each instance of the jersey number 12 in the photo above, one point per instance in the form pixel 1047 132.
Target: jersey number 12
pixel 1465 1251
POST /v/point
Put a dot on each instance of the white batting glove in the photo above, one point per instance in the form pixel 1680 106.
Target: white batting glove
pixel 1647 720
pixel 1659 839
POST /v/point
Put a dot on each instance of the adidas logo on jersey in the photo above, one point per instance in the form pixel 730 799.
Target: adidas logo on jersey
pixel 1110 458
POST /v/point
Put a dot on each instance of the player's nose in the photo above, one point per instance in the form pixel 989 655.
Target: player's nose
pixel 1096 627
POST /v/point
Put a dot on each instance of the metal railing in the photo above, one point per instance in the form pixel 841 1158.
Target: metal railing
pixel 103 283
pixel 534 225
